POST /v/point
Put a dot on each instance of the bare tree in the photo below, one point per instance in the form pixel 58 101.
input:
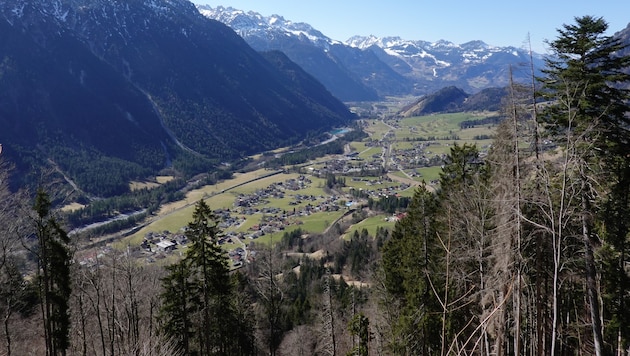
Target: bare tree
pixel 270 291
pixel 328 339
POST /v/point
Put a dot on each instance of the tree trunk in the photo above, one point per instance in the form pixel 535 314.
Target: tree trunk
pixel 7 333
pixel 591 272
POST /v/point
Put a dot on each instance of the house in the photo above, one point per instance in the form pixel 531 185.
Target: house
pixel 166 245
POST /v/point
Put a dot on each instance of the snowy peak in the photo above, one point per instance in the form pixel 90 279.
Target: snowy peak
pixel 255 28
pixel 365 42
pixel 389 65
pixel 253 24
pixel 444 52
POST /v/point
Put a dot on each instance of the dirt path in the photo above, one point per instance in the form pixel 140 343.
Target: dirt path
pixel 411 182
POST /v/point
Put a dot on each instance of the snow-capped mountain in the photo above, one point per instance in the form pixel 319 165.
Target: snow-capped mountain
pixel 442 53
pixel 307 47
pixel 472 66
pixel 266 28
pixel 389 65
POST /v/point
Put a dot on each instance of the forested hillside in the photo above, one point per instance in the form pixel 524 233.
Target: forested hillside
pixel 521 251
pixel 524 252
pixel 104 93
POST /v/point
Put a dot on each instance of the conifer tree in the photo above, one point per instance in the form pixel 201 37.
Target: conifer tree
pixel 53 258
pixel 589 119
pixel 198 298
pixel 178 306
pixel 359 327
pixel 413 275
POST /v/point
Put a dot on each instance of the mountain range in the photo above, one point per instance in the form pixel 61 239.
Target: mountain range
pixel 363 67
pixel 104 92
pixel 109 91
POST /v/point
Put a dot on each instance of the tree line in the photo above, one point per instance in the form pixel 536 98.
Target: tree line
pixel 525 252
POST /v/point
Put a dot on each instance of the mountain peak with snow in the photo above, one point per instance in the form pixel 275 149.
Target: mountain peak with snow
pixel 418 66
pixel 252 24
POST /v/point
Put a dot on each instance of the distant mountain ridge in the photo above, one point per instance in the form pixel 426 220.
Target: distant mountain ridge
pixel 253 25
pixel 116 90
pixel 453 99
pixel 390 65
pixel 303 44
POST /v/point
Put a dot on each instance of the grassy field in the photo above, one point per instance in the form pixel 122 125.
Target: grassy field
pixel 174 216
pixel 358 146
pixel 315 223
pixel 321 221
pixel 437 124
pixel 164 179
pixel 442 125
pixel 429 173
pixel 134 185
pixel 376 129
pixel 399 174
pixel 367 153
pixel 368 183
pixel 370 224
pixel 72 207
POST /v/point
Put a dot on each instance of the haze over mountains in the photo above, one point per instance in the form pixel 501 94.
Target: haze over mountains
pixel 362 67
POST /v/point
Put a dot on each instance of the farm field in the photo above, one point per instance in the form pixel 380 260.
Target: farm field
pixel 370 224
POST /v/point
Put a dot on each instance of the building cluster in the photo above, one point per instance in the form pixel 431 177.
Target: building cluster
pixel 275 219
pixel 374 187
pixel 163 242
pixel 159 244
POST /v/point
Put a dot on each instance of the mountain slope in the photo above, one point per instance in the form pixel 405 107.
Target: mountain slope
pixel 472 66
pixel 453 99
pixel 130 87
pixel 624 37
pixel 300 42
pixel 389 66
pixel 446 99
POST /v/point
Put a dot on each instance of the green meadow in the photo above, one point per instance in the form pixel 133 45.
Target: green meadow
pixel 370 224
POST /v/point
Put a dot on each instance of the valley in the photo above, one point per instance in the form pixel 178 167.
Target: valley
pixel 259 206
pixel 402 215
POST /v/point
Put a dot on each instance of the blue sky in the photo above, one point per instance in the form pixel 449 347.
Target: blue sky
pixel 499 23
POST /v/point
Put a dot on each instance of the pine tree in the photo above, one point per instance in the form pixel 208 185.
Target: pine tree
pixel 199 295
pixel 211 282
pixel 359 327
pixel 53 257
pixel 413 275
pixel 588 118
pixel 178 306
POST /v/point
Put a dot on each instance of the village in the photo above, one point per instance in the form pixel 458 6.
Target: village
pixel 285 204
pixel 260 205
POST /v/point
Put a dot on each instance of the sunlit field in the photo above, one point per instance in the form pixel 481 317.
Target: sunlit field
pixel 370 224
